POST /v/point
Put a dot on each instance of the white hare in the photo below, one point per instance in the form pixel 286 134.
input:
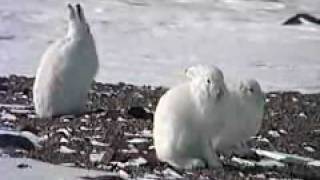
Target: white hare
pixel 66 70
pixel 187 118
pixel 244 118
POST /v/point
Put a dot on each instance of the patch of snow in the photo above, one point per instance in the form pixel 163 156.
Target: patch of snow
pixel 84 128
pixel 132 149
pixel 148 176
pixel 83 120
pixel 32 116
pixel 136 162
pixel 97 143
pixel 309 148
pixel 63 140
pixel 121 119
pixel 273 133
pixel 64 131
pixel 131 162
pixel 243 161
pixel 123 174
pixel 260 176
pixel 303 115
pixel 97 157
pixel 66 150
pixel 262 139
pixel 14 106
pixel 171 174
pixel 282 131
pixel 66 120
pixel 20 111
pixel 8 116
pixel 280 156
pixel 137 140
pixel 146 133
pixel 68 164
pixel 294 99
pixel 270 163
pixel 314 163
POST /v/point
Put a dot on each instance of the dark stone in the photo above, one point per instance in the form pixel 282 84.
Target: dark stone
pixel 139 112
pixel 23 166
pixel 296 20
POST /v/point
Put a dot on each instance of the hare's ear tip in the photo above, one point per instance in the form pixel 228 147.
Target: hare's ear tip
pixel 69 5
pixel 78 6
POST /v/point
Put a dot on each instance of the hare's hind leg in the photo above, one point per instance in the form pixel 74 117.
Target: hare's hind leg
pixel 187 163
pixel 211 155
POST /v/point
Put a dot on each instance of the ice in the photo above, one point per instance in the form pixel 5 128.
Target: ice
pixel 38 170
pixel 244 38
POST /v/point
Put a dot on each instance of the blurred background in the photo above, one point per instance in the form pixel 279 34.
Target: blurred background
pixel 152 41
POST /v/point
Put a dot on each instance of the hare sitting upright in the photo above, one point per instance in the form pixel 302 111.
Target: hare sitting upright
pixel 188 118
pixel 66 70
pixel 244 119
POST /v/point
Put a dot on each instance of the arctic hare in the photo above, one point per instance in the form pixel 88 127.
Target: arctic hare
pixel 244 118
pixel 187 117
pixel 66 70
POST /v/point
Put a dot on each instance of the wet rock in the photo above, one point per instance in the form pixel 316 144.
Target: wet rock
pixel 299 18
pixel 139 112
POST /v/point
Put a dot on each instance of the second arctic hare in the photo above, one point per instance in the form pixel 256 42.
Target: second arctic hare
pixel 66 70
pixel 245 117
pixel 187 117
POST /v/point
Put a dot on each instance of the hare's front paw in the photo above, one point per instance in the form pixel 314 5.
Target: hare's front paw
pixel 195 164
pixel 214 163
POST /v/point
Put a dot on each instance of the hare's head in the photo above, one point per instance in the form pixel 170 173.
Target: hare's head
pixel 209 79
pixel 78 26
pixel 251 90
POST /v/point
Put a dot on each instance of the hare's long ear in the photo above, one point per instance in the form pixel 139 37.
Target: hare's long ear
pixel 72 13
pixel 80 13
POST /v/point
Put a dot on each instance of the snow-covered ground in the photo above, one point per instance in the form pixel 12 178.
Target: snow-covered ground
pixel 151 41
pixel 28 169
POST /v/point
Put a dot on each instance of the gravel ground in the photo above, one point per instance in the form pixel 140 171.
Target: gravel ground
pixel 115 135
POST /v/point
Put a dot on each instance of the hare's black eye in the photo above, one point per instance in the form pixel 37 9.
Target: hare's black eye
pixel 208 81
pixel 251 90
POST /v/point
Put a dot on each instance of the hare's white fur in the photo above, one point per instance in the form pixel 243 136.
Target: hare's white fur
pixel 244 117
pixel 187 119
pixel 67 69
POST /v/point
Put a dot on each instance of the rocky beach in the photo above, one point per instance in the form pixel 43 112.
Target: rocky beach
pixel 115 135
